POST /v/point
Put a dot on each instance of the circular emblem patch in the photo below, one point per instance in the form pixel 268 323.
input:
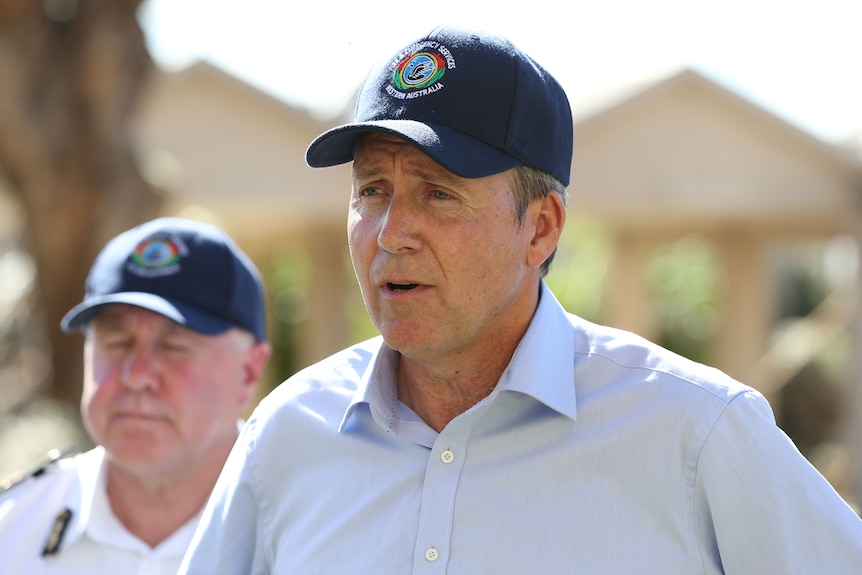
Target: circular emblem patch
pixel 157 256
pixel 419 71
pixel 156 253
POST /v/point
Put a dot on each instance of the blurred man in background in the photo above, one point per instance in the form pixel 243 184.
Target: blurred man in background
pixel 175 343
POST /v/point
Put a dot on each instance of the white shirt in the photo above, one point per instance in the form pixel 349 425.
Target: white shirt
pixel 94 541
pixel 597 452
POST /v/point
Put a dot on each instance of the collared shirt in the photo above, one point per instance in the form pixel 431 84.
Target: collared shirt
pixel 93 540
pixel 597 452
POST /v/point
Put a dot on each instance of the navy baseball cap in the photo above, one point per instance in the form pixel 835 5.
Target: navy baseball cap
pixel 188 271
pixel 470 100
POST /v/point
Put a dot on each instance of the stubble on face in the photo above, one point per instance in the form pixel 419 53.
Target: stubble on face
pixel 440 259
pixel 158 395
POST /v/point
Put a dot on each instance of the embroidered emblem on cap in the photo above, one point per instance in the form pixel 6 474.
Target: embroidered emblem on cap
pixel 418 71
pixel 157 256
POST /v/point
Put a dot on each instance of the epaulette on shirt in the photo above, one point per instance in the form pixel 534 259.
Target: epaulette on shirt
pixel 51 458
pixel 61 522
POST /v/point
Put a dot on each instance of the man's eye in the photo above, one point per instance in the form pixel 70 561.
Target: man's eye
pixel 440 195
pixel 113 344
pixel 368 192
pixel 175 345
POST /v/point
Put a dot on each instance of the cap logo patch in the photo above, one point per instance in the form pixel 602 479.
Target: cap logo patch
pixel 156 257
pixel 417 71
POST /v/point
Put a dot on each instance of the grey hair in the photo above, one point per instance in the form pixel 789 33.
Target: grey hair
pixel 532 184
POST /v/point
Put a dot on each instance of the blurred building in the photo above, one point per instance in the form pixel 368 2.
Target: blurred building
pixel 677 157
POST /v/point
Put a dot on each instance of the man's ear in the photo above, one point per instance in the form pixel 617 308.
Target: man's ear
pixel 255 362
pixel 547 217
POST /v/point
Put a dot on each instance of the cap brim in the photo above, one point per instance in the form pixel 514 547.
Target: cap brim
pixel 459 153
pixel 80 315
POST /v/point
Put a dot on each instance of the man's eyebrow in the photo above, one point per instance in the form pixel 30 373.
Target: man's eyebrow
pixel 112 321
pixel 365 172
pixel 173 328
pixel 442 176
pixel 108 320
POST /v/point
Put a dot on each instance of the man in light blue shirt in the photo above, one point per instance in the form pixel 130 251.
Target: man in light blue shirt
pixel 487 430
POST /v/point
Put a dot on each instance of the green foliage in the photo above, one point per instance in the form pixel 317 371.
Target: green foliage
pixel 684 278
pixel 288 281
pixel 361 327
pixel 804 283
pixel 686 281
pixel 578 273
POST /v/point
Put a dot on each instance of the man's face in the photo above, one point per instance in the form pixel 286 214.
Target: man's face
pixel 159 396
pixel 441 262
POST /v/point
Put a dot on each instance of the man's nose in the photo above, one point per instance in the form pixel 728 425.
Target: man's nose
pixel 399 230
pixel 140 371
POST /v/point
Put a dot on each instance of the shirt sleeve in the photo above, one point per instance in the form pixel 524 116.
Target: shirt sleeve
pixel 230 536
pixel 762 508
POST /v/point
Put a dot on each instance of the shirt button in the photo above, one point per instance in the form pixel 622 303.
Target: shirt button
pixel 447 456
pixel 431 554
pixel 148 566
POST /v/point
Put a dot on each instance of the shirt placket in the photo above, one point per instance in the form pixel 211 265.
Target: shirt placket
pixel 440 489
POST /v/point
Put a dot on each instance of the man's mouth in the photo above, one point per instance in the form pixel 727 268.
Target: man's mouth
pixel 400 286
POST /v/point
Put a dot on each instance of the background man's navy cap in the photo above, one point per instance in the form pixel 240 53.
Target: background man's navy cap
pixel 472 101
pixel 190 272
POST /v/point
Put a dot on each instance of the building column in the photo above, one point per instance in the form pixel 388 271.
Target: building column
pixel 328 327
pixel 747 312
pixel 628 304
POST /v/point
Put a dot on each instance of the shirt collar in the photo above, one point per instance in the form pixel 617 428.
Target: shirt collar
pixel 90 469
pixel 376 386
pixel 96 518
pixel 542 367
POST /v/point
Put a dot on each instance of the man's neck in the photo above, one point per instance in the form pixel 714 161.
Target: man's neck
pixel 438 400
pixel 153 507
pixel 438 389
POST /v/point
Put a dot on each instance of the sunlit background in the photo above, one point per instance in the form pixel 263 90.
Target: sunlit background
pixel 800 59
pixel 223 141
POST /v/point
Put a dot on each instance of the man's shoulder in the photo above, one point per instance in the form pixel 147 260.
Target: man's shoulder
pixel 55 486
pixel 39 511
pixel 53 467
pixel 622 353
pixel 342 368
pixel 57 473
pixel 337 376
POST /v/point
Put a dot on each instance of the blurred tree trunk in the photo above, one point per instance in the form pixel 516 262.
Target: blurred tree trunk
pixel 70 74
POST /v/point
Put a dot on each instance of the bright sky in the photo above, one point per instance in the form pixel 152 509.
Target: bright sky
pixel 800 59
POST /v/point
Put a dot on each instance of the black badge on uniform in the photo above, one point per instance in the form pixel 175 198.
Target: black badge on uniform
pixel 57 532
